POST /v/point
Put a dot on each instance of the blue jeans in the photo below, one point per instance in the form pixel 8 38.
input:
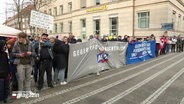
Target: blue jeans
pixel 4 89
pixel 167 48
pixel 62 73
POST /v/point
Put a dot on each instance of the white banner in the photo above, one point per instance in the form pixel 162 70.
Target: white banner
pixel 41 20
pixel 94 56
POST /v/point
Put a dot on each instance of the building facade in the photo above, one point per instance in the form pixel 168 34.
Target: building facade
pixel 24 19
pixel 116 17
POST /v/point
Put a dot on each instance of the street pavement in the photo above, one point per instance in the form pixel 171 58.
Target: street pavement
pixel 156 81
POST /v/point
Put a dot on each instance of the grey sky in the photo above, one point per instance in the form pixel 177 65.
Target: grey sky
pixel 5 4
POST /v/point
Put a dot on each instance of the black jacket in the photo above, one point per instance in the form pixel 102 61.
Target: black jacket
pixel 4 65
pixel 61 51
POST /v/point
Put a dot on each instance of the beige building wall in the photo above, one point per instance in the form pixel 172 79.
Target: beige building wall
pixel 161 11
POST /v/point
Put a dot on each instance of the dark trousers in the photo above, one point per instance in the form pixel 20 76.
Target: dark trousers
pixel 14 81
pixel 45 65
pixel 4 88
pixel 173 48
pixel 179 46
pixel 36 70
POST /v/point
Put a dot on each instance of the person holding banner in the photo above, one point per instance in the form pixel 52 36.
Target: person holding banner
pixel 61 50
pixel 46 57
pixel 72 39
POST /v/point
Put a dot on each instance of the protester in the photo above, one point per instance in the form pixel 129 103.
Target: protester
pixel 119 38
pixel 53 40
pixel 96 36
pixel 126 38
pixel 91 37
pixel 61 50
pixel 79 41
pixel 173 44
pixel 72 39
pixel 36 59
pixel 161 48
pixel 4 72
pixel 111 37
pixel 105 38
pixel 13 67
pixel 152 37
pixel 179 44
pixel 168 45
pixel 24 52
pixel 182 44
pixel 46 57
pixel 163 44
pixel 133 40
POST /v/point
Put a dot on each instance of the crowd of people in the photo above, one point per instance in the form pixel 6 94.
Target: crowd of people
pixel 22 58
pixel 164 44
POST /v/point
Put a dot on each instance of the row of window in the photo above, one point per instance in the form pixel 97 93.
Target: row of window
pixel 61 8
pixel 174 16
pixel 113 26
pixel 143 22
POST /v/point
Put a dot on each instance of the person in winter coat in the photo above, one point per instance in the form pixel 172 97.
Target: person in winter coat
pixel 4 72
pixel 173 46
pixel 61 49
pixel 179 43
pixel 46 57
pixel 24 53
pixel 72 39
pixel 13 67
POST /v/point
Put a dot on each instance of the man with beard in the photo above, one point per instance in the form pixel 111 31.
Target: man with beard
pixel 46 57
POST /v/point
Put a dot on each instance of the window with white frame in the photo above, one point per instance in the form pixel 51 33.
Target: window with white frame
pixel 97 26
pixel 50 11
pixel 83 3
pixel 83 28
pixel 61 27
pixel 70 26
pixel 97 2
pixel 70 7
pixel 50 31
pixel 143 20
pixel 179 21
pixel 55 11
pixel 113 25
pixel 55 28
pixel 61 9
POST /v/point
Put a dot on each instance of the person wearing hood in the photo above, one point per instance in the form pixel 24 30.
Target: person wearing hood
pixel 4 72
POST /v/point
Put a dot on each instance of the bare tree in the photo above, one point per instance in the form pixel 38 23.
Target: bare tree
pixel 19 6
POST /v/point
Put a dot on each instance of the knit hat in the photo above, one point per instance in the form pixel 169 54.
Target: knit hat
pixel 2 44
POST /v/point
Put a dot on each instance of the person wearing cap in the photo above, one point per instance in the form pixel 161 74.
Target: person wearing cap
pixel 46 56
pixel 4 71
pixel 24 52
